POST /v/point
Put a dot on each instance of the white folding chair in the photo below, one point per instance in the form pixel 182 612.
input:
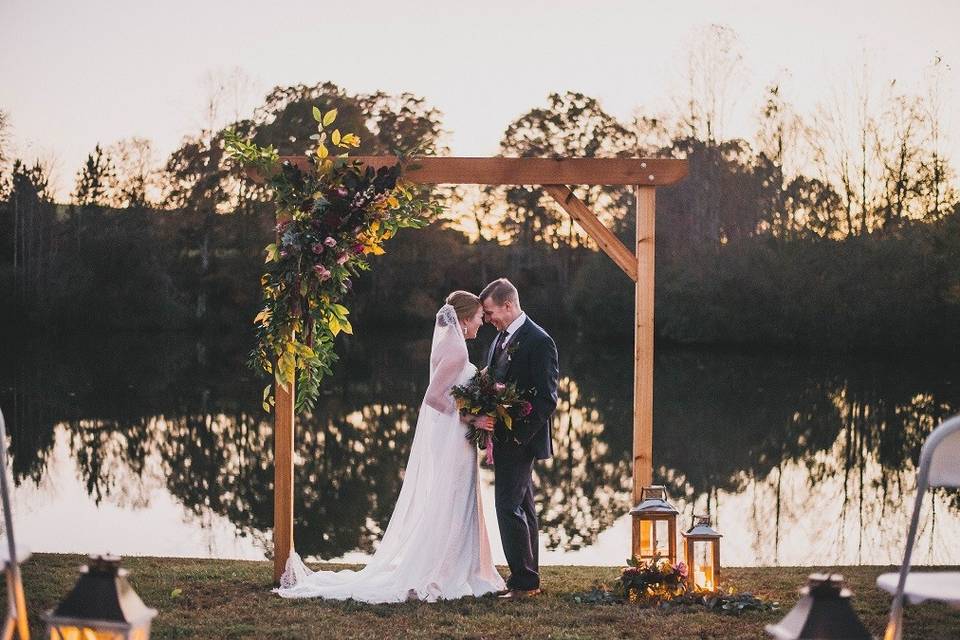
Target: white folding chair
pixel 11 556
pixel 939 467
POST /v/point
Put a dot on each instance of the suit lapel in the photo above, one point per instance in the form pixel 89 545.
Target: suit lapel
pixel 515 343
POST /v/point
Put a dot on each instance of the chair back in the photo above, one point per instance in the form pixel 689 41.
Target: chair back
pixel 941 452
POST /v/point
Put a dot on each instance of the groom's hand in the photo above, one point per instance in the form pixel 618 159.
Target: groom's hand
pixel 483 422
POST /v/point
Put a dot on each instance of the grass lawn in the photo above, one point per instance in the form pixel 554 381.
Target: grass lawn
pixel 232 599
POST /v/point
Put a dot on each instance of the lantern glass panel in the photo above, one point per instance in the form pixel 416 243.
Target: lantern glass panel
pixel 703 569
pixel 646 538
pixel 662 538
pixel 86 633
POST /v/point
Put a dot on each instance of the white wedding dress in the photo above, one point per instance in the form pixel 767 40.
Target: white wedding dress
pixel 436 545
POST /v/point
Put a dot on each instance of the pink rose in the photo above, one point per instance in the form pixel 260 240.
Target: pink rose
pixel 322 272
pixel 681 569
pixel 499 386
pixel 330 242
pixel 342 259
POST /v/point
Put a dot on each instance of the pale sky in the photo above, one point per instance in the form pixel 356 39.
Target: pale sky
pixel 77 73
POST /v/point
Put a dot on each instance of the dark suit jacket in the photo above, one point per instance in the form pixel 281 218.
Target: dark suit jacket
pixel 529 361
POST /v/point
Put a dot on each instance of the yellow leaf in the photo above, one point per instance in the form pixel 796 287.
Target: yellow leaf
pixel 263 316
pixel 351 140
pixel 393 202
pixel 346 327
pixel 329 117
pixel 322 151
pixel 271 253
pixel 334 325
pixel 335 138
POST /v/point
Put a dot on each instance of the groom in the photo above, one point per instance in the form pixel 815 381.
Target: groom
pixel 525 355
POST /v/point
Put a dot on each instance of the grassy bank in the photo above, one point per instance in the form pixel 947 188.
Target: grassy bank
pixel 231 599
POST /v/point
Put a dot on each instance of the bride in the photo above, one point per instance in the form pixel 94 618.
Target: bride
pixel 436 545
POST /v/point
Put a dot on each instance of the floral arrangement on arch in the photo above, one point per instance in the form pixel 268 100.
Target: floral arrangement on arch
pixel 654 581
pixel 329 221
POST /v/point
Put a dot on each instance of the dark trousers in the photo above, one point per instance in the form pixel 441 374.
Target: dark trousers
pixel 517 515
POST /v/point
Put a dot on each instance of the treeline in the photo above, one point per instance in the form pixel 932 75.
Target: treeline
pixel 794 238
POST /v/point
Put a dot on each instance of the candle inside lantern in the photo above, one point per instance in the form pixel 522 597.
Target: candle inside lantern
pixel 703 578
pixel 646 538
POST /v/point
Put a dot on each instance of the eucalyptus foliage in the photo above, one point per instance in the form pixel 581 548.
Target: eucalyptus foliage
pixel 329 220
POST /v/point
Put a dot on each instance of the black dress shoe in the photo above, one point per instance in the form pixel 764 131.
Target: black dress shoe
pixel 520 594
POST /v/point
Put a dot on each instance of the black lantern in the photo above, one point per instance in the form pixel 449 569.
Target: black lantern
pixel 823 612
pixel 702 550
pixel 101 606
pixel 654 526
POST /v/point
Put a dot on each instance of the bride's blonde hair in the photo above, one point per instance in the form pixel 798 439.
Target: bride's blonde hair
pixel 464 303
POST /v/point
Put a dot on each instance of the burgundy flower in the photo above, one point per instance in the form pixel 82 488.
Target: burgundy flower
pixel 318 248
pixel 525 408
pixel 358 248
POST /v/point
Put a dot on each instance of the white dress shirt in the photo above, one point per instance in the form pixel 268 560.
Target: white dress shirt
pixel 512 329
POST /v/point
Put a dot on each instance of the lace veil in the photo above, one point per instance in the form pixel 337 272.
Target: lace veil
pixel 448 356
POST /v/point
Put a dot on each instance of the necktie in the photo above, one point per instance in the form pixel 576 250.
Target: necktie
pixel 501 338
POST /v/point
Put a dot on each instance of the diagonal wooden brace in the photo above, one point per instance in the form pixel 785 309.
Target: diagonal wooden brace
pixel 580 212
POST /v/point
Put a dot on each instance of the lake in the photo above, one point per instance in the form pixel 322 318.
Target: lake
pixel 157 445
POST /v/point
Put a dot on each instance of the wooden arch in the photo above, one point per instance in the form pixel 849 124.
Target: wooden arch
pixel 553 175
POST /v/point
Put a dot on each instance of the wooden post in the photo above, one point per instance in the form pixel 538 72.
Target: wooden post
pixel 282 478
pixel 643 344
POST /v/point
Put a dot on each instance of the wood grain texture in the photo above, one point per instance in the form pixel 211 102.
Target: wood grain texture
pixel 282 478
pixel 643 343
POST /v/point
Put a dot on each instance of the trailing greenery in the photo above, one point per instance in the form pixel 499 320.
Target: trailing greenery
pixel 328 221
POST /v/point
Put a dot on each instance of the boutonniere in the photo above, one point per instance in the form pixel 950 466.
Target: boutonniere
pixel 512 348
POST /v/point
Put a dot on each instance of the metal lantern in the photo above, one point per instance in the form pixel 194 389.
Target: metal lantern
pixel 823 612
pixel 654 526
pixel 702 550
pixel 101 606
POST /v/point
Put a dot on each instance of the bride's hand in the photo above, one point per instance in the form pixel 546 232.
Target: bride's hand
pixel 483 422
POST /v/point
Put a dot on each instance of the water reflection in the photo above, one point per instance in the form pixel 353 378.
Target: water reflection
pixel 802 461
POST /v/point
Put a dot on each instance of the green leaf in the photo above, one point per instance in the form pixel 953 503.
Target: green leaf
pixel 317 115
pixel 176 593
pixel 329 117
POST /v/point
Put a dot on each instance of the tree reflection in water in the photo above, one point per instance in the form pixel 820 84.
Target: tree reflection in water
pixel 779 437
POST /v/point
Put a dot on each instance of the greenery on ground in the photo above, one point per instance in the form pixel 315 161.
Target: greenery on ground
pixel 216 599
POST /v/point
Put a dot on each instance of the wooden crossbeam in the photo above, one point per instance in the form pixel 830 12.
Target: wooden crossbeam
pixel 580 212
pixel 552 174
pixel 653 172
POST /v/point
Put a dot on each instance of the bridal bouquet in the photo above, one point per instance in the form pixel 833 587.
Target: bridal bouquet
pixel 482 395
